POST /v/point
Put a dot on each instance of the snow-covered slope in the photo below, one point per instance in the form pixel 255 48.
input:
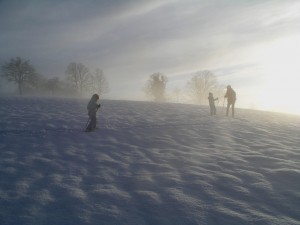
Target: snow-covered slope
pixel 146 163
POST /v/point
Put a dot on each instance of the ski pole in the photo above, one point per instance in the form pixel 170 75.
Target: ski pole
pixel 223 105
pixel 87 123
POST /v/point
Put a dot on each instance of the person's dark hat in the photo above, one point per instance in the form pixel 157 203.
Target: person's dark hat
pixel 96 96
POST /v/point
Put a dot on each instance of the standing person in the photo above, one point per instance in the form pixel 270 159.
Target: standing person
pixel 231 98
pixel 212 106
pixel 92 108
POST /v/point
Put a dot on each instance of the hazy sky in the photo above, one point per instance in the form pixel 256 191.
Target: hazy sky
pixel 254 45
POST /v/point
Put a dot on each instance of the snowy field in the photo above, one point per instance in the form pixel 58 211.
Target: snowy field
pixel 146 163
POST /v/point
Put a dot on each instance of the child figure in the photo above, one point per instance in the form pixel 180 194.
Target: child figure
pixel 212 106
pixel 92 108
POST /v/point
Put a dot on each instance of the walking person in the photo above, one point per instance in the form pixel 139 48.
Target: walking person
pixel 231 98
pixel 92 108
pixel 212 106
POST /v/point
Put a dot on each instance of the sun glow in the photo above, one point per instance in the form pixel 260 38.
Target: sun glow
pixel 280 89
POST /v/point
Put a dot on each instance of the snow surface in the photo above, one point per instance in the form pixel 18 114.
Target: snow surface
pixel 147 163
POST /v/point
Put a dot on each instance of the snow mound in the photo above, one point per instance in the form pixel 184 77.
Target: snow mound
pixel 147 163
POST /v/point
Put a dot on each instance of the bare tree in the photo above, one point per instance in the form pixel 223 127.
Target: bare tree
pixel 19 71
pixel 52 85
pixel 156 86
pixel 201 84
pixel 79 75
pixel 99 83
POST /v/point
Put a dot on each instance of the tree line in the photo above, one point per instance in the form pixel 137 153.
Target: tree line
pixel 196 91
pixel 79 80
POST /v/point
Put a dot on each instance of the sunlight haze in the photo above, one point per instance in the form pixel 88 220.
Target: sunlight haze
pixel 251 45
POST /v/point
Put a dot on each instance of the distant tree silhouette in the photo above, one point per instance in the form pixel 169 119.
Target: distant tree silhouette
pixel 35 84
pixel 78 74
pixel 156 86
pixel 21 72
pixel 201 84
pixel 98 82
pixel 52 85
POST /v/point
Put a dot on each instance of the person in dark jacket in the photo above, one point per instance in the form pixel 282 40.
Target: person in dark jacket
pixel 92 108
pixel 231 98
pixel 212 106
